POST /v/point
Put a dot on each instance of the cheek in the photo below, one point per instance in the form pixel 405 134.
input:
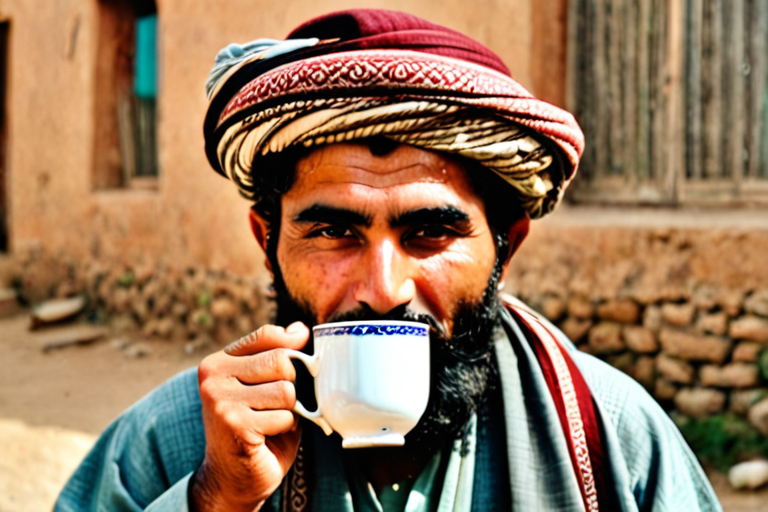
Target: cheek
pixel 459 275
pixel 319 282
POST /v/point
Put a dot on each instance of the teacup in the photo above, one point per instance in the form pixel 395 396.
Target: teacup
pixel 371 380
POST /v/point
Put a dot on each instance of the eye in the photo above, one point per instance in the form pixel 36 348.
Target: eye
pixel 333 232
pixel 431 232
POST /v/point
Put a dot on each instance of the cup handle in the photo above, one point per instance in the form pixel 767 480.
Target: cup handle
pixel 313 365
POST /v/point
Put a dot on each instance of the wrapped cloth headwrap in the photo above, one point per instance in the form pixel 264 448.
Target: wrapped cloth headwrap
pixel 367 72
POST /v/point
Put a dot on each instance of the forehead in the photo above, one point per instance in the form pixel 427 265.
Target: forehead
pixel 353 166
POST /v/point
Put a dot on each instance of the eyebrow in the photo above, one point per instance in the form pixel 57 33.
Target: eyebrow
pixel 331 215
pixel 425 216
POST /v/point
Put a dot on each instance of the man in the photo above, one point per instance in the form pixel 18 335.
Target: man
pixel 394 166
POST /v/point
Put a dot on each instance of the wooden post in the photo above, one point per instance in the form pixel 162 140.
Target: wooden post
pixel 734 91
pixel 643 91
pixel 629 89
pixel 693 94
pixel 660 75
pixel 757 19
pixel 572 51
pixel 712 37
pixel 615 120
pixel 600 110
pixel 675 108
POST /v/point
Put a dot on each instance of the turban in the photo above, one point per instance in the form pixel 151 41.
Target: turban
pixel 362 73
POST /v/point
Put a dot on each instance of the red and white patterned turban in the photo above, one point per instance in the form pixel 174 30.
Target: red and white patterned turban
pixel 362 73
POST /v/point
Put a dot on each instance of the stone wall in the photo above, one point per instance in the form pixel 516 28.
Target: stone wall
pixel 679 301
pixel 201 306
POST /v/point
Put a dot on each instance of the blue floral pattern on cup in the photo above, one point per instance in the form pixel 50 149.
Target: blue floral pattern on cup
pixel 373 330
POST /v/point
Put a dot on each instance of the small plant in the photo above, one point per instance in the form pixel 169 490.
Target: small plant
pixel 762 364
pixel 204 298
pixel 723 439
pixel 126 280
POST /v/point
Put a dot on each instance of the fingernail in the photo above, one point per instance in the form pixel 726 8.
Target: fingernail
pixel 238 344
pixel 293 328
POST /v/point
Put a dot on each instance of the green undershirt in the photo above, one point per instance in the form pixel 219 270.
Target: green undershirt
pixel 420 495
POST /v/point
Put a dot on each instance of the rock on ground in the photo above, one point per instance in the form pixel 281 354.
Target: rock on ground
pixel 750 475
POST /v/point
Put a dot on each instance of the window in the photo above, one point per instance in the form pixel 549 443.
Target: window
pixel 126 94
pixel 673 100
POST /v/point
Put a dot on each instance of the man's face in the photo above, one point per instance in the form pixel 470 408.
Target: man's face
pixel 380 233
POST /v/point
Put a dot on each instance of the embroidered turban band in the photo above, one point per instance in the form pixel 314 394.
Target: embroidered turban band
pixel 363 73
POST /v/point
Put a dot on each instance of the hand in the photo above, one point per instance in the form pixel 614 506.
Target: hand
pixel 251 434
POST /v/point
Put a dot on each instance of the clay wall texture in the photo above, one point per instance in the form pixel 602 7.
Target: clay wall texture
pixel 192 216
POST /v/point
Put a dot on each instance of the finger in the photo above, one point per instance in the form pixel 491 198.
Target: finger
pixel 260 368
pixel 279 395
pixel 286 446
pixel 267 337
pixel 252 427
pixel 272 423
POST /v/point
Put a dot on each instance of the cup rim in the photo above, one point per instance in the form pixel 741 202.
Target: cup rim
pixel 370 322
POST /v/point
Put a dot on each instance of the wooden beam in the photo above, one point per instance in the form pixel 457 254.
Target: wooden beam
pixel 734 84
pixel 757 20
pixel 573 50
pixel 600 125
pixel 712 87
pixel 615 121
pixel 629 88
pixel 693 94
pixel 642 157
pixel 675 139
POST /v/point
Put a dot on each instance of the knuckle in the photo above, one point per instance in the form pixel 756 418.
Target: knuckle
pixel 281 364
pixel 207 391
pixel 229 417
pixel 207 384
pixel 209 367
pixel 286 419
pixel 223 411
pixel 286 393
pixel 273 361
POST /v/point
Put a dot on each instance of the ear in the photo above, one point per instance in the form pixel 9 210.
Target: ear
pixel 260 229
pixel 516 234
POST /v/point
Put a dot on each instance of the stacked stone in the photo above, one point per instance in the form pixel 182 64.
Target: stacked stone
pixel 163 302
pixel 196 304
pixel 698 352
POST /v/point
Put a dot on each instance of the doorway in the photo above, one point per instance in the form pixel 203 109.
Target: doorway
pixel 4 29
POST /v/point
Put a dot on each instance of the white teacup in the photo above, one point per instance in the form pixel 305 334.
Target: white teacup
pixel 371 380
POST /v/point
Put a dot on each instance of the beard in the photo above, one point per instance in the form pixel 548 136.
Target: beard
pixel 463 366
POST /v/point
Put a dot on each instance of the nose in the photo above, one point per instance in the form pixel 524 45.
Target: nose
pixel 385 277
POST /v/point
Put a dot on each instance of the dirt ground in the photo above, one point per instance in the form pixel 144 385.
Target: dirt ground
pixel 53 404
